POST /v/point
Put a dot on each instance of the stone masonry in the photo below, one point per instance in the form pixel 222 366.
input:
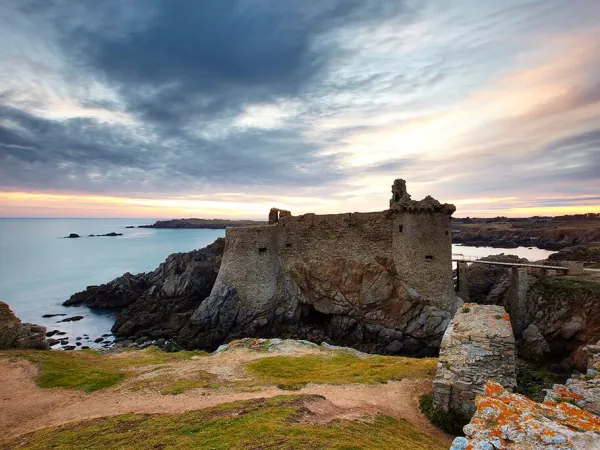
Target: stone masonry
pixel 357 279
pixel 478 346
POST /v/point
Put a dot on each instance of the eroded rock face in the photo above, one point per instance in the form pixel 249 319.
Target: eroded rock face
pixel 566 313
pixel 158 304
pixel 510 421
pixel 15 334
pixel 364 305
pixel 478 346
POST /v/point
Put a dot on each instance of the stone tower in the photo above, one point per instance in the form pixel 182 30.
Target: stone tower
pixel 422 245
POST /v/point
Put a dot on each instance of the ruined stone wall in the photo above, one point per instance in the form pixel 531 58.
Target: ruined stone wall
pixel 421 243
pixel 355 278
pixel 478 346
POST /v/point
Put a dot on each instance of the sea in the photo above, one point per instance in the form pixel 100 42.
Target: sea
pixel 40 269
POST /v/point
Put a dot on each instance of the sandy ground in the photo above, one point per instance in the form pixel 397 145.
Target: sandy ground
pixel 24 407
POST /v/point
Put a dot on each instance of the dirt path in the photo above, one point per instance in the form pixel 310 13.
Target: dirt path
pixel 25 407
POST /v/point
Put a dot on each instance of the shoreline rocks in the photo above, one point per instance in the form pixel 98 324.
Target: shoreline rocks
pixel 15 334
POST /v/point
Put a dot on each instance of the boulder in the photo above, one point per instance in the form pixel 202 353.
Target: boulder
pixel 533 346
pixel 15 334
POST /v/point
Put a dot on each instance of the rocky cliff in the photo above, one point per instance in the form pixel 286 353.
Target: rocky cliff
pixel 15 334
pixel 157 304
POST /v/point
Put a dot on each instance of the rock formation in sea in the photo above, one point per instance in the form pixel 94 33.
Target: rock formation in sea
pixel 157 304
pixel 15 334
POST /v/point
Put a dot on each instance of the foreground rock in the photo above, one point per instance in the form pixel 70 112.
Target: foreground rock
pixel 157 304
pixel 510 421
pixel 582 390
pixel 15 334
pixel 478 345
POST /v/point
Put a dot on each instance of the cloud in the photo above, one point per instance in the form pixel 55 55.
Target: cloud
pixel 327 101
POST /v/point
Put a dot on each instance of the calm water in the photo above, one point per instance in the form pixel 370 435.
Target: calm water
pixel 39 269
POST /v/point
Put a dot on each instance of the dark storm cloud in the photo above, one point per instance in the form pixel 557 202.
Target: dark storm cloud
pixel 180 67
pixel 178 60
pixel 83 155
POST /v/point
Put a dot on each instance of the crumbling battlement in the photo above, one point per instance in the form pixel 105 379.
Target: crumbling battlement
pixel 388 269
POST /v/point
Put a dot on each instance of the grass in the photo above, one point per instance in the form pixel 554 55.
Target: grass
pixel 90 371
pixel 295 372
pixel 254 424
pixel 451 422
pixel 172 384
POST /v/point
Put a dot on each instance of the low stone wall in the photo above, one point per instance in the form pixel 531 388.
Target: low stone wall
pixel 477 346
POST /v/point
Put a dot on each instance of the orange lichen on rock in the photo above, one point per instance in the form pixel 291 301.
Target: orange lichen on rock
pixel 511 421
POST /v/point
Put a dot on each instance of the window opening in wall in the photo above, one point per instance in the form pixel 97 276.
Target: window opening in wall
pixel 400 228
pixel 262 249
pixel 446 233
pixel 428 257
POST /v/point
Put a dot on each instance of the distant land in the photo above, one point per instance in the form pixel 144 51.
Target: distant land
pixel 214 224
pixel 548 233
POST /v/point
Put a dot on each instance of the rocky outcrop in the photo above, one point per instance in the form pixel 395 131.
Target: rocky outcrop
pixel 554 317
pixel 118 293
pixel 533 346
pixel 510 421
pixel 582 390
pixel 157 304
pixel 566 313
pixel 488 284
pixel 15 334
pixel 546 233
pixel 583 253
pixel 478 346
pixel 365 306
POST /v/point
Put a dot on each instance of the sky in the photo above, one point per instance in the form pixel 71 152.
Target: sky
pixel 226 108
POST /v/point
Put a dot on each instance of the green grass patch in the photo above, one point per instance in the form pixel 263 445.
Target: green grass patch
pixel 90 371
pixel 451 422
pixel 255 424
pixel 295 372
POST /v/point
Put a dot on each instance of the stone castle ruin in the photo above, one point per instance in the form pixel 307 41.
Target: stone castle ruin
pixel 379 281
